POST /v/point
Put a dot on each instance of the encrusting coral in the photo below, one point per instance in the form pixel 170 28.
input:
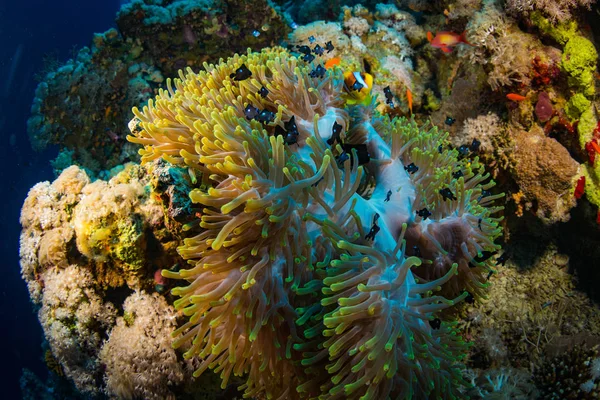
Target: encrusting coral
pixel 313 214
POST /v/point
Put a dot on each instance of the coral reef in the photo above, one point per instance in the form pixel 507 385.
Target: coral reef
pixel 300 238
pixel 80 245
pixel 574 374
pixel 502 384
pixel 555 10
pixel 280 220
pixel 84 105
pixel 156 366
pixel 500 46
pixel 380 43
pixel 531 315
pixel 75 318
pixel 545 182
pixel 307 11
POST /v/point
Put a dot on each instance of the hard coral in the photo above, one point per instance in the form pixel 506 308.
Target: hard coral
pixel 74 318
pixel 545 172
pixel 544 73
pixel 293 258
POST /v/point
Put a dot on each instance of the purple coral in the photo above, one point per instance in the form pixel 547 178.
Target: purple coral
pixel 543 107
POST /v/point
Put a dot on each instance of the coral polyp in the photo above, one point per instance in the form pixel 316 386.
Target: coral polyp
pixel 310 224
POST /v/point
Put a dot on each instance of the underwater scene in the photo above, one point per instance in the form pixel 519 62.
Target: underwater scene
pixel 304 199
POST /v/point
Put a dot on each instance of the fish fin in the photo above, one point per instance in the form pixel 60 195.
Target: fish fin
pixel 463 39
pixel 429 36
pixel 446 49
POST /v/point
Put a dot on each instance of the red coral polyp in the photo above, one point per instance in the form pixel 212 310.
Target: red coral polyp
pixel 544 73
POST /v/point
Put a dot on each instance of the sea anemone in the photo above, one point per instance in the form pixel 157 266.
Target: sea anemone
pixel 300 274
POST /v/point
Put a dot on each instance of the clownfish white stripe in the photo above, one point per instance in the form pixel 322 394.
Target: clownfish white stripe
pixel 360 79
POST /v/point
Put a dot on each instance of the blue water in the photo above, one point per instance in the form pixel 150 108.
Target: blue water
pixel 53 27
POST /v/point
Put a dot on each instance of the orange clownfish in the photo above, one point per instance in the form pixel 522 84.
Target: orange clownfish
pixel 515 97
pixel 332 62
pixel 447 40
pixel 358 85
pixel 409 99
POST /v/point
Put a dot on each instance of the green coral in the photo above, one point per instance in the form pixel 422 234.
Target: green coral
pixel 577 105
pixel 579 55
pixel 579 62
pixel 592 182
pixel 562 32
pixel 585 126
pixel 130 247
pixel 432 102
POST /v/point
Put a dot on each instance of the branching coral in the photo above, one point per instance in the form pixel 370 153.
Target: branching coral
pixel 284 220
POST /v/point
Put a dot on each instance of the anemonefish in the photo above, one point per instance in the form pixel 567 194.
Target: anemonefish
pixel 358 86
pixel 447 40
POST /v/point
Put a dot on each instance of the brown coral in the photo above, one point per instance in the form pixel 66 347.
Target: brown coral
pixel 544 172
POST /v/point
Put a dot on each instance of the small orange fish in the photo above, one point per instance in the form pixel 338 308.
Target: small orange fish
pixel 409 99
pixel 447 40
pixel 515 97
pixel 332 62
pixel 596 147
pixel 429 36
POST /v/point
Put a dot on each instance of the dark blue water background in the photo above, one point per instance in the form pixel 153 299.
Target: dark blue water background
pixel 29 30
